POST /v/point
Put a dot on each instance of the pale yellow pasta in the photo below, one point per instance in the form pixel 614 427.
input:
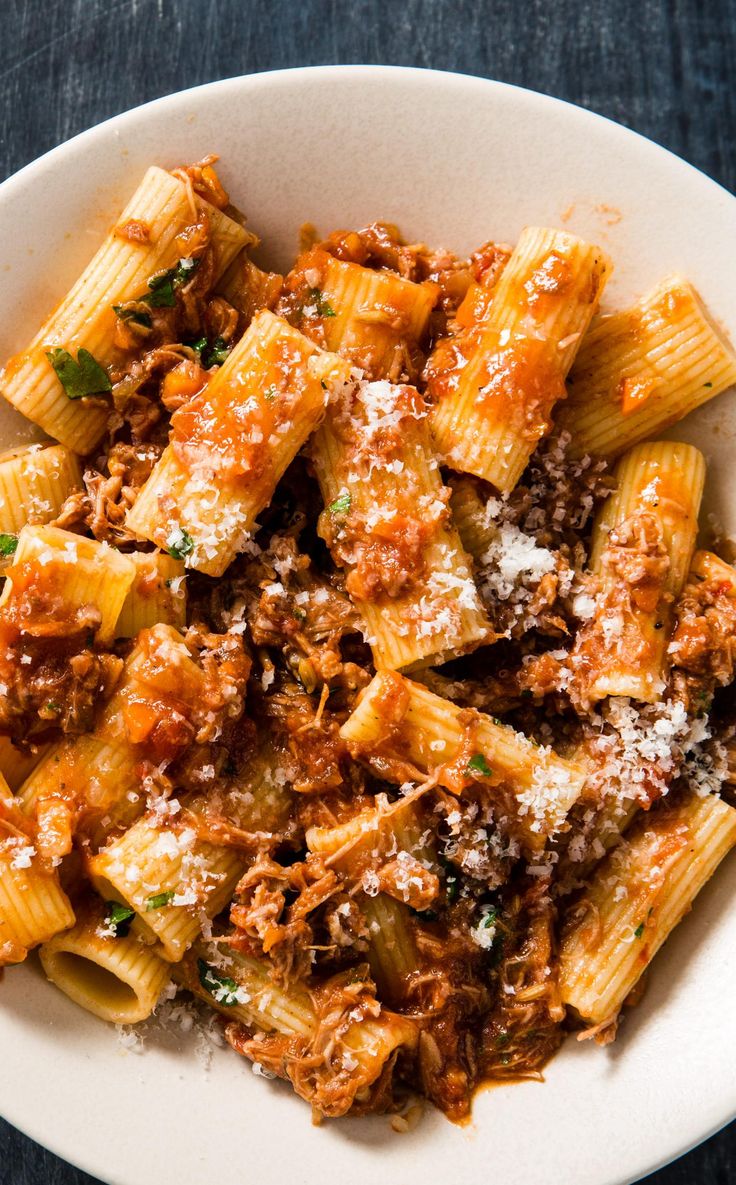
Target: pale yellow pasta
pixel 241 988
pixel 636 898
pixel 16 764
pixel 81 573
pixel 261 405
pixel 476 528
pixel 640 370
pixel 34 483
pixel 85 319
pixel 33 905
pixel 654 512
pixel 386 508
pixel 375 319
pixel 171 878
pixel 157 594
pixel 117 978
pixel 408 722
pixel 489 419
pixel 263 1001
pixel 392 951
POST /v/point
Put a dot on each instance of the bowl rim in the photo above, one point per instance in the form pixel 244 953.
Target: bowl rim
pixel 523 96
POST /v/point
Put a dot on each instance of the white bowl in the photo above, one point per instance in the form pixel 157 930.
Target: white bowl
pixel 455 161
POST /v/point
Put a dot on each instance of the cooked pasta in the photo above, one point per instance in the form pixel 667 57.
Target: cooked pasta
pixel 496 379
pixel 640 370
pixel 346 701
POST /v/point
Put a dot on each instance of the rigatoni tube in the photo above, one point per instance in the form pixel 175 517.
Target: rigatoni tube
pixel 642 543
pixel 160 209
pixel 640 370
pixel 387 524
pixel 70 571
pixel 232 442
pixel 636 898
pixel 115 977
pixel 374 319
pixel 496 383
pixel 405 722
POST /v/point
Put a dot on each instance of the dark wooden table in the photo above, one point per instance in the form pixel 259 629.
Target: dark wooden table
pixel 663 67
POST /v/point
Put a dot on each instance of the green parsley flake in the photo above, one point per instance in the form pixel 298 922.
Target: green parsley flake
pixel 340 508
pixel 179 543
pixel 639 930
pixel 218 353
pixel 159 900
pixel 162 286
pixel 223 990
pixel 8 543
pixel 118 918
pixel 316 299
pixel 270 394
pixel 124 313
pixel 80 378
pixel 478 767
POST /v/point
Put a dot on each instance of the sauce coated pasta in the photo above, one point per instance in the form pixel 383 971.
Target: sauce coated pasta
pixel 359 673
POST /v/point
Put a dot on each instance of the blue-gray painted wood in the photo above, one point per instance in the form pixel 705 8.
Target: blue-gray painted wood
pixel 663 67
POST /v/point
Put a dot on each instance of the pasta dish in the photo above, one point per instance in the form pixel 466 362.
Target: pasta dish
pixel 361 673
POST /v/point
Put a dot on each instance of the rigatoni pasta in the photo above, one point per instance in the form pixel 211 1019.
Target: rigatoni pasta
pixel 231 444
pixel 642 543
pixel 636 898
pixel 494 402
pixel 386 521
pixel 114 976
pixel 640 370
pixel 399 773
pixel 148 240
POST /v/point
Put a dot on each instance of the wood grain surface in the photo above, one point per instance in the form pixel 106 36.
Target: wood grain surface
pixel 663 67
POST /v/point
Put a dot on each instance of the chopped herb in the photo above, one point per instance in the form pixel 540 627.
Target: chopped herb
pixel 159 900
pixel 452 882
pixel 80 378
pixel 299 613
pixel 8 543
pixel 707 384
pixel 323 384
pixel 505 1059
pixel 489 919
pixel 161 295
pixel 223 990
pixel 527 693
pixel 502 1038
pixel 179 543
pixel 163 285
pixel 210 355
pixel 218 353
pixel 123 313
pixel 118 918
pixel 341 506
pixel 270 393
pixel 478 766
pixel 322 306
pixel 639 930
pixel 52 706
